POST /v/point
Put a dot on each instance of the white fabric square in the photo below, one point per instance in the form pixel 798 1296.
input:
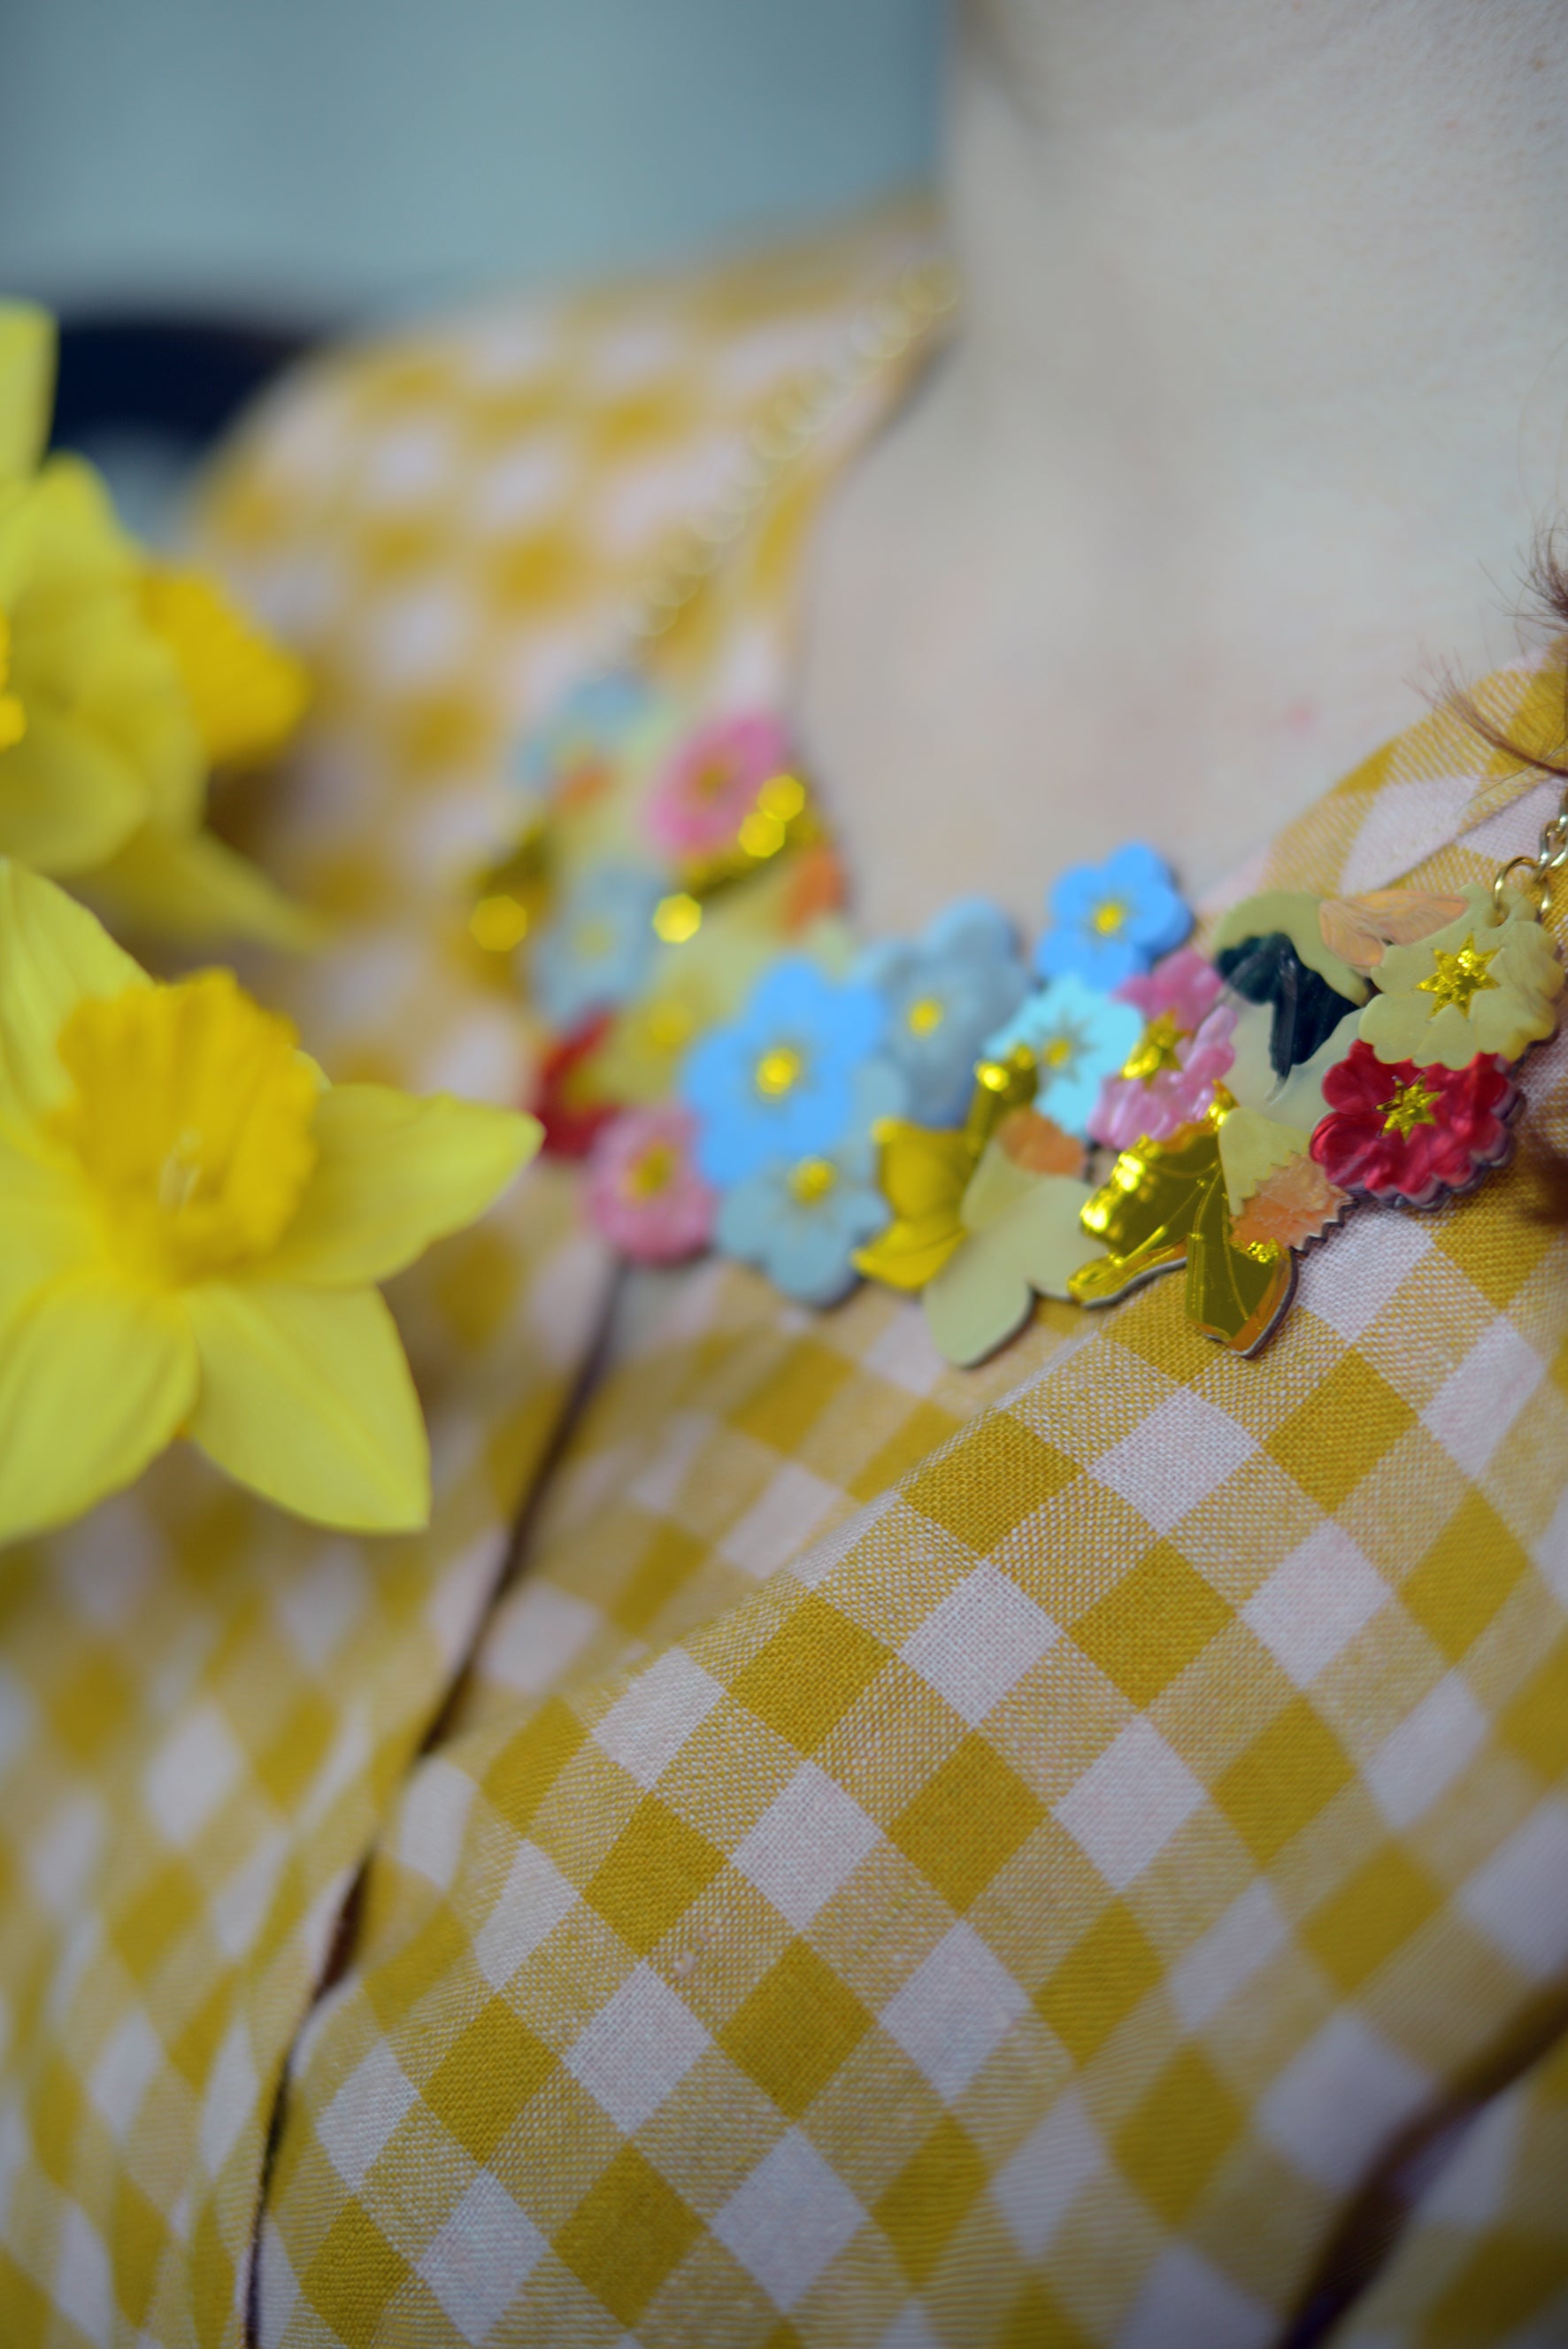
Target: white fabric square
pixel 1207 1976
pixel 430 1822
pixel 1404 823
pixel 909 2330
pixel 791 2219
pixel 320 1607
pixel 1176 1458
pixel 229 2098
pixel 1348 1285
pixel 809 1841
pixel 1186 2304
pixel 780 1522
pixel 84 2278
pixel 538 1638
pixel 905 1353
pixel 361 2118
pixel 1129 1803
pixel 979 1642
pixel 277 2287
pixel 1476 1405
pixel 1347 2090
pixel 1427 1750
pixel 18 1713
pixel 681 1438
pixel 1038 2185
pixel 190 1773
pixel 61 1855
pixel 1520 1896
pixel 647 1728
pixel 534 1900
pixel 408 463
pixel 1551 1556
pixel 639 2046
pixel 955 2010
pixel 119 2080
pixel 1314 1602
pixel 481 2257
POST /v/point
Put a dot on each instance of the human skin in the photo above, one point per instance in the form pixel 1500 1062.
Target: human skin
pixel 1257 399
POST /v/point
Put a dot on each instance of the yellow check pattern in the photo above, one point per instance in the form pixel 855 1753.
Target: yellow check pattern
pixel 902 1857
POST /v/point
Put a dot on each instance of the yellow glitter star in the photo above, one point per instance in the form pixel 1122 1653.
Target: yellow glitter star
pixel 1409 1106
pixel 1459 977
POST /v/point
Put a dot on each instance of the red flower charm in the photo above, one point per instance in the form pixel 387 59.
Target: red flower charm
pixel 563 1101
pixel 1395 1130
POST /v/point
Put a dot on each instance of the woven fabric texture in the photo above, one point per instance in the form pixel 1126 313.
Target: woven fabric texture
pixel 903 1856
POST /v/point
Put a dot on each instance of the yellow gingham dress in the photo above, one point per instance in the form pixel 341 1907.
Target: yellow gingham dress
pixel 1069 1852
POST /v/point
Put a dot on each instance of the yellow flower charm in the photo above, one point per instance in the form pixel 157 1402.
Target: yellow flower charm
pixel 194 1221
pixel 118 686
pixel 1478 985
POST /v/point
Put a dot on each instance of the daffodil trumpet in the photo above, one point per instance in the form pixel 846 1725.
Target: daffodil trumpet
pixel 193 1222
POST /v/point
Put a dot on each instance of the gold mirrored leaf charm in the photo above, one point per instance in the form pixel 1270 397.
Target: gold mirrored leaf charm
pixel 1165 1205
pixel 511 893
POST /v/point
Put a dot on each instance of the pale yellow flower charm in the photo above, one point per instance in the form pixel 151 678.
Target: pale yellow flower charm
pixel 192 1222
pixel 1481 983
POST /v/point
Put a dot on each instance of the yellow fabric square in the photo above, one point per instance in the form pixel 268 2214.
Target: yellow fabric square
pixel 55 2110
pixel 1282 1779
pixel 291 1757
pixel 1152 1624
pixel 784 1409
pixel 810 1673
pixel 1038 2321
pixel 967 1821
pixel 930 2198
pixel 921 1429
pixel 797 2028
pixel 353 2276
pixel 529 1764
pixel 1509 2278
pixel 485 2079
pixel 1464 1578
pixel 163 1907
pixel 88 1708
pixel 627 2234
pixel 1173 2142
pixel 139 2237
pixel 1375 1914
pixel 1536 1724
pixel 669 1559
pixel 1108 1972
pixel 1000 1473
pixel 651 1875
pixel 415 1967
pixel 1350 1421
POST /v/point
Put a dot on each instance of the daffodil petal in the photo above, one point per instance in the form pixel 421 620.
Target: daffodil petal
pixel 306 1398
pixel 186 885
pixel 67 797
pixel 395 1173
pixel 52 954
pixel 95 1380
pixel 26 384
pixel 44 1229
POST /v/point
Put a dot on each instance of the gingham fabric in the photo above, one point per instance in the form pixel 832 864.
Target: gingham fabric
pixel 1073 1852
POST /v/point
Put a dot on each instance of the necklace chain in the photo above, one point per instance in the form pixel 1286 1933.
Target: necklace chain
pixel 894 323
pixel 1534 873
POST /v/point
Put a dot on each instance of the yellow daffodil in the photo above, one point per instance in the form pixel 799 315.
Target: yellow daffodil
pixel 193 1222
pixel 120 686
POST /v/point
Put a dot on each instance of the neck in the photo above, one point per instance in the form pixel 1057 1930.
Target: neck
pixel 1258 396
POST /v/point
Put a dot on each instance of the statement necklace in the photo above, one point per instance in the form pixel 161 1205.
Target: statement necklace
pixel 949 1114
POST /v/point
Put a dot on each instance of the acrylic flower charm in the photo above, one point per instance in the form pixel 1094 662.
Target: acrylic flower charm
pixel 1078 1037
pixel 1401 1131
pixel 195 1224
pixel 802 1219
pixel 716 794
pixel 1168 1081
pixel 1478 985
pixel 1110 921
pixel 596 951
pixel 644 1192
pixel 1022 1237
pixel 570 758
pixel 779 1082
pixel 945 993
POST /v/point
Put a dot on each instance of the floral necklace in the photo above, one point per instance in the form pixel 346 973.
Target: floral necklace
pixel 949 1114
pixel 959 1118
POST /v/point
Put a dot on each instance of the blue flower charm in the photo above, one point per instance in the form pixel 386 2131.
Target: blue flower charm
pixel 802 1221
pixel 581 731
pixel 1078 1037
pixel 779 1082
pixel 596 953
pixel 1111 921
pixel 944 993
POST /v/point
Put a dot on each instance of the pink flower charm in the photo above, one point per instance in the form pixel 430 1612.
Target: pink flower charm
pixel 1185 1049
pixel 644 1194
pixel 711 786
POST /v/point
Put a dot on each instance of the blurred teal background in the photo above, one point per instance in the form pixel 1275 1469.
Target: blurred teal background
pixel 322 158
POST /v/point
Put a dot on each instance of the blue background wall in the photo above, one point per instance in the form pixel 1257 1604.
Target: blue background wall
pixel 334 155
